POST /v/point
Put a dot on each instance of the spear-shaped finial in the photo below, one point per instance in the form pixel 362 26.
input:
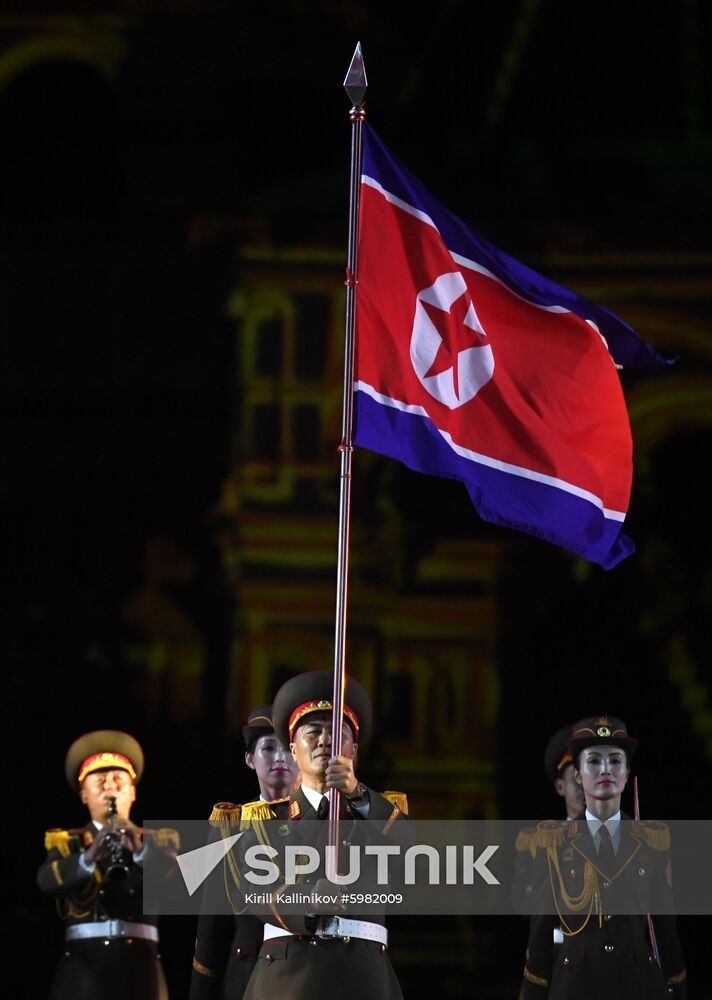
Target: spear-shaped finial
pixel 355 83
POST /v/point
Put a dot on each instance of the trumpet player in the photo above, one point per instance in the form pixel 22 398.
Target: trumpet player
pixel 95 874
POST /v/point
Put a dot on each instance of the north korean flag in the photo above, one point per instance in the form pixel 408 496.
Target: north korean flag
pixel 470 365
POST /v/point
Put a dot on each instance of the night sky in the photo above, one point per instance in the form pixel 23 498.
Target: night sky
pixel 553 128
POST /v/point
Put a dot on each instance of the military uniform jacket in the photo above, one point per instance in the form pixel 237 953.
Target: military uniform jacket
pixel 606 952
pixel 303 966
pixel 90 968
pixel 525 868
pixel 226 947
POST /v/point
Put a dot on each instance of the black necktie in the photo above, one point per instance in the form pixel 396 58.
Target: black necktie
pixel 606 854
pixel 323 810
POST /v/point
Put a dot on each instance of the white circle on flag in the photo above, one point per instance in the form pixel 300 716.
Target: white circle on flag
pixel 474 366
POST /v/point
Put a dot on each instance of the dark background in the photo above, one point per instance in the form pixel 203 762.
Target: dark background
pixel 552 127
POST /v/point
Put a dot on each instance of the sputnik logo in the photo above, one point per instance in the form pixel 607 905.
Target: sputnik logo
pixel 196 865
pixel 449 349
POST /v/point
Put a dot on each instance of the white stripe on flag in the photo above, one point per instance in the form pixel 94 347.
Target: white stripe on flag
pixel 492 463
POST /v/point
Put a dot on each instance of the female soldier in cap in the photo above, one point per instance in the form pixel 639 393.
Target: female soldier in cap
pixel 95 874
pixel 226 947
pixel 599 877
pixel 305 955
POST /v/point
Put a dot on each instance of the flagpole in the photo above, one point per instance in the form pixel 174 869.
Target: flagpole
pixel 355 86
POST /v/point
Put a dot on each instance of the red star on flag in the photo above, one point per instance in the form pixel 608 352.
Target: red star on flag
pixel 455 336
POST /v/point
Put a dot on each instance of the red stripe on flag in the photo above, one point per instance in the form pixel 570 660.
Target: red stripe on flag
pixel 554 403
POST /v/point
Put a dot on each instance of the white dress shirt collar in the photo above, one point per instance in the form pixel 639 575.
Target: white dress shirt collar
pixel 312 796
pixel 612 824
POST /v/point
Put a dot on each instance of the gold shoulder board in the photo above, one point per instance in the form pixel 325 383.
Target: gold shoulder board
pixel 253 812
pixel 58 839
pixel 656 835
pixel 551 833
pixel 527 840
pixel 165 836
pixel 399 799
pixel 225 812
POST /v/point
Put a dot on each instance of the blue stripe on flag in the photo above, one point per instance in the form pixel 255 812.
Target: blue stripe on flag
pixel 536 508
